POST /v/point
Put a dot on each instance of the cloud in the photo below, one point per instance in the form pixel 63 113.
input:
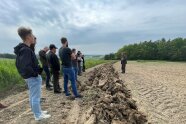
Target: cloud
pixel 95 27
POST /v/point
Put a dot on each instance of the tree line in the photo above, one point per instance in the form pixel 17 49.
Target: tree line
pixel 172 50
pixel 7 56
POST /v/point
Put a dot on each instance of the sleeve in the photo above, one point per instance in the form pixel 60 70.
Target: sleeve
pixel 42 55
pixel 60 53
pixel 69 51
pixel 55 62
pixel 26 61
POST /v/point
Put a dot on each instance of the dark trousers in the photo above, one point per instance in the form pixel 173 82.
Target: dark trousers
pixel 83 68
pixel 69 74
pixel 47 72
pixel 123 66
pixel 56 80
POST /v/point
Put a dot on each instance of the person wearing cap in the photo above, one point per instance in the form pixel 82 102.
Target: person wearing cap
pixel 68 72
pixel 45 65
pixel 55 67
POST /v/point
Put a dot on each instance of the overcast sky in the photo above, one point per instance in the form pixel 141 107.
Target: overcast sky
pixel 92 26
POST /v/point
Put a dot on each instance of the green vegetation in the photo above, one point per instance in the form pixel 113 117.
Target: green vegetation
pixel 110 56
pixel 172 50
pixel 92 62
pixel 9 76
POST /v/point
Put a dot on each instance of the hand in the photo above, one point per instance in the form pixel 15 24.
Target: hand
pixel 40 70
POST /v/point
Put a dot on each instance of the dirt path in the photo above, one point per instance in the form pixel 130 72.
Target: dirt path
pixel 63 110
pixel 159 89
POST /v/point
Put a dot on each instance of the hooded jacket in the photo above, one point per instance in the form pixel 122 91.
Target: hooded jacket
pixel 26 61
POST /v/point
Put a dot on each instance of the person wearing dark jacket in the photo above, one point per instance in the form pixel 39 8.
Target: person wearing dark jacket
pixel 45 65
pixel 68 72
pixel 55 67
pixel 123 62
pixel 27 66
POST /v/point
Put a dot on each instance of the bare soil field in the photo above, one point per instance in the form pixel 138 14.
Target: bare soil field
pixel 106 101
pixel 159 89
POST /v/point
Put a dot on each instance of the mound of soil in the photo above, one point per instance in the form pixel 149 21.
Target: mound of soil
pixel 110 100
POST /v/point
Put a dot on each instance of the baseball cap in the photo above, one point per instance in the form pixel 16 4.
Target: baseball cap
pixel 52 46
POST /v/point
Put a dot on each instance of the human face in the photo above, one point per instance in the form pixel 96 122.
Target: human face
pixel 31 39
pixel 54 50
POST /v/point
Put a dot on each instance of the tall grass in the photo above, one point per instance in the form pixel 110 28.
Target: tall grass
pixel 9 76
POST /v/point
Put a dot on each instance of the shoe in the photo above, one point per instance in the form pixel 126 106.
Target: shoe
pixel 49 88
pixel 43 100
pixel 44 112
pixel 2 106
pixel 70 97
pixel 78 81
pixel 50 85
pixel 42 116
pixel 59 88
pixel 79 96
pixel 69 94
pixel 57 92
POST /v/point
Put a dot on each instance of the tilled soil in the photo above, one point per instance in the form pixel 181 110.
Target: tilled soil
pixel 112 102
pixel 106 101
pixel 159 89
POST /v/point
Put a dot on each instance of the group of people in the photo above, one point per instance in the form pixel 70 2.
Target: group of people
pixel 69 59
pixel 27 64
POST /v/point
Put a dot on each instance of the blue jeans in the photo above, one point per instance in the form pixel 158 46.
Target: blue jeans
pixel 34 85
pixel 76 72
pixel 68 74
pixel 47 72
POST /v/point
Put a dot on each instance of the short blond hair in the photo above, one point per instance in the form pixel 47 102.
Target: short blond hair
pixel 23 32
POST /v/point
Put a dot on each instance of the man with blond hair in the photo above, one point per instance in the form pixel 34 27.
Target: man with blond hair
pixel 27 66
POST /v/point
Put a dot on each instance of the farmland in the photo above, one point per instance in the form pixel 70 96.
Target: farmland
pixel 9 76
pixel 159 89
